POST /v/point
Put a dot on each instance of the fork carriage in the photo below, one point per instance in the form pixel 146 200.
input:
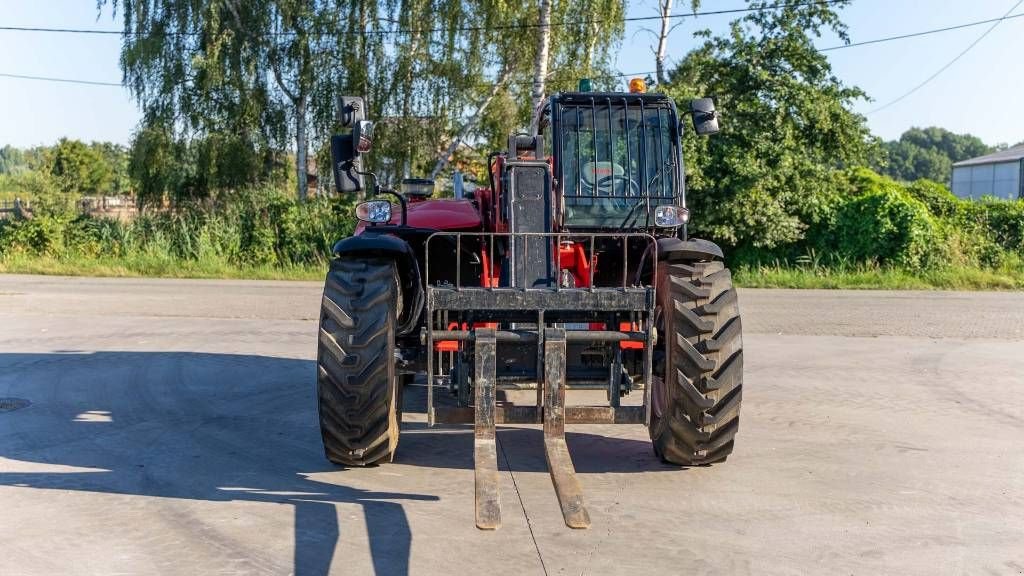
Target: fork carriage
pixel 530 332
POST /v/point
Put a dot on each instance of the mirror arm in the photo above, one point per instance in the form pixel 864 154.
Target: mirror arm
pixel 401 200
pixel 378 190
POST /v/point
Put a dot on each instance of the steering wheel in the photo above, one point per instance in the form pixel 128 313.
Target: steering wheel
pixel 607 185
pixel 608 182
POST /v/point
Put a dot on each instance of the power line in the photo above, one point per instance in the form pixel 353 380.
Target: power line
pixel 400 31
pixel 64 80
pixel 996 21
pixel 950 63
pixel 865 42
pixel 922 33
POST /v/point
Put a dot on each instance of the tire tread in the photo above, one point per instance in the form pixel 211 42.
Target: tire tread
pixel 699 424
pixel 356 381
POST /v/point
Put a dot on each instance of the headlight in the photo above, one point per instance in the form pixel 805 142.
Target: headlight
pixel 375 211
pixel 671 216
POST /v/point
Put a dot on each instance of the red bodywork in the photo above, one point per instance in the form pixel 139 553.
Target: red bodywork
pixel 483 214
pixel 445 214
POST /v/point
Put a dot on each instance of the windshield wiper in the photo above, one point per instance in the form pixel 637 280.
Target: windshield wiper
pixel 629 217
pixel 657 175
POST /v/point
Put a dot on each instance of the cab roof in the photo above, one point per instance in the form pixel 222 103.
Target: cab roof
pixel 587 97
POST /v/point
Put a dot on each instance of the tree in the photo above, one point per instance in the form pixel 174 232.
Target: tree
pixel 79 169
pixel 955 146
pixel 661 52
pixel 929 153
pixel 154 164
pixel 540 60
pixel 575 39
pixel 269 72
pixel 12 160
pixel 786 126
pixel 115 156
pixel 908 162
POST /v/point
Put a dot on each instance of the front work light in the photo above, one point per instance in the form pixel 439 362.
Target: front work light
pixel 637 86
pixel 374 211
pixel 585 85
pixel 671 216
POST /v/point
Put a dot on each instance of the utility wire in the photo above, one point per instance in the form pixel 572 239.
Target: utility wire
pixel 648 72
pixel 950 63
pixel 922 33
pixel 64 80
pixel 399 31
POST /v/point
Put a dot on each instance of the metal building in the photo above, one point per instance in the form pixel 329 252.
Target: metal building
pixel 1000 174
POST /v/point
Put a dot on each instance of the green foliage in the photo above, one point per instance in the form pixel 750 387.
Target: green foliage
pixel 786 128
pixel 928 153
pixel 79 169
pixel 887 226
pixel 268 73
pixel 253 228
pixel 52 178
pixel 939 200
pixel 956 147
pixel 12 160
pixel 988 232
pixel 155 165
pixel 1005 221
pixel 43 192
pixel 183 171
pixel 877 221
pixel 1009 276
pixel 39 236
pixel 115 159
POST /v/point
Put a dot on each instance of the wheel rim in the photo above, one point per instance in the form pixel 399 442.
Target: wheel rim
pixel 659 391
pixel 658 399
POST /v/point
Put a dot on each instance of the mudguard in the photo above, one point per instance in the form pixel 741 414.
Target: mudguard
pixel 370 244
pixel 694 249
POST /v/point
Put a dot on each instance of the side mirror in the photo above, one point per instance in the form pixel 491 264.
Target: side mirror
pixel 346 148
pixel 705 117
pixel 351 109
pixel 345 165
pixel 362 137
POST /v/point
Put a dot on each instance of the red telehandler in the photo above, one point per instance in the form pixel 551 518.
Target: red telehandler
pixel 571 270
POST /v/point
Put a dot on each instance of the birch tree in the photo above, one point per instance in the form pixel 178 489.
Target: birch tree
pixel 540 62
pixel 667 27
pixel 436 74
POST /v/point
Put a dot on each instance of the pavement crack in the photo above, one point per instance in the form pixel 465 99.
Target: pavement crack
pixel 529 523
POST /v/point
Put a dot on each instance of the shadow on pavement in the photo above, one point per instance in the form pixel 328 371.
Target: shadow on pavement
pixel 591 453
pixel 224 427
pixel 211 427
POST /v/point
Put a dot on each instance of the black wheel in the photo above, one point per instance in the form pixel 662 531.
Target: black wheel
pixel 358 391
pixel 698 378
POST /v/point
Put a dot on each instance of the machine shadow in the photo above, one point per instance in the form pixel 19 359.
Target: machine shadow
pixel 523 447
pixel 227 427
pixel 211 427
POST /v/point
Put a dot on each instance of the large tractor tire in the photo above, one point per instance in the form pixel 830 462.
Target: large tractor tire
pixel 698 378
pixel 359 393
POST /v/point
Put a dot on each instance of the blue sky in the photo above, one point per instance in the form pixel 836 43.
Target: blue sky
pixel 982 93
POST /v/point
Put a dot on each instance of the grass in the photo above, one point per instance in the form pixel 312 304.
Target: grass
pixel 152 266
pixel 1009 277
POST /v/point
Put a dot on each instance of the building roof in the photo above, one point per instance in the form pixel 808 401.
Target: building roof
pixel 1009 155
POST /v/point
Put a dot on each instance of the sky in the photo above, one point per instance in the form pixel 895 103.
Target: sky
pixel 980 94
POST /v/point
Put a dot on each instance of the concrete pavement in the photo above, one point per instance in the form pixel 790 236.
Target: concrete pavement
pixel 172 430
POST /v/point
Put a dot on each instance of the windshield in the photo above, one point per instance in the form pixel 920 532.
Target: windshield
pixel 612 156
